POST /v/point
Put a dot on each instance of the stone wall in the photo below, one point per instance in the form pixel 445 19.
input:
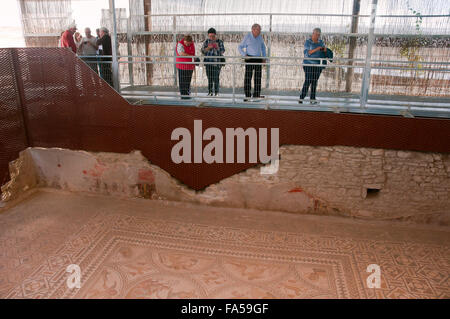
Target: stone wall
pixel 363 182
pixel 341 181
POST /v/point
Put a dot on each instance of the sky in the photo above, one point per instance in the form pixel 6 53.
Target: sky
pixel 10 26
pixel 87 13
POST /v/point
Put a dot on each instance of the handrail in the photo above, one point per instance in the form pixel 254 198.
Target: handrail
pixel 294 65
pixel 261 14
pixel 290 14
pixel 286 58
pixel 285 64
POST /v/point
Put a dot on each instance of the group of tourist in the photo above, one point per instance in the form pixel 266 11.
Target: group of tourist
pixel 95 51
pixel 253 49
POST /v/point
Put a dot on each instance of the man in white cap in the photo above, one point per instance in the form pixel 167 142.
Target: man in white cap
pixel 67 40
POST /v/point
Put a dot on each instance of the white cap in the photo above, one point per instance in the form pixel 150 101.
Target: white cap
pixel 72 25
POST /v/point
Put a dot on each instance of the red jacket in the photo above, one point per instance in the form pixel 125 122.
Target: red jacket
pixel 67 41
pixel 189 50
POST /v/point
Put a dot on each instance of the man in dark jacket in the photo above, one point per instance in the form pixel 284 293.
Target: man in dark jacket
pixel 105 48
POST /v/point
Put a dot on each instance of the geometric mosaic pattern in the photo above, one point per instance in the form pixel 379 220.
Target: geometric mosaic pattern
pixel 146 249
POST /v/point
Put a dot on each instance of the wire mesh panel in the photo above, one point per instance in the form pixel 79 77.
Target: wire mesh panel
pixel 12 129
pixel 66 104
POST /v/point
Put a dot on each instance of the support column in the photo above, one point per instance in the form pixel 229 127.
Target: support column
pixel 174 46
pixel 233 75
pixel 114 44
pixel 130 51
pixel 371 39
pixel 352 45
pixel 148 27
pixel 269 46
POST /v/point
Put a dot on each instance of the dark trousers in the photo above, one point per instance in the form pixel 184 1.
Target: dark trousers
pixel 92 63
pixel 249 68
pixel 213 72
pixel 106 71
pixel 184 81
pixel 312 74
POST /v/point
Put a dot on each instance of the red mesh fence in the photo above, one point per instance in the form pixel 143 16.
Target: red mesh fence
pixel 63 103
pixel 12 130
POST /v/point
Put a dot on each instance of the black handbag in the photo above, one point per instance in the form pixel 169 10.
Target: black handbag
pixel 327 55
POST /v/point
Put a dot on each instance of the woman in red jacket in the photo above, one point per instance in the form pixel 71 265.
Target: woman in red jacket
pixel 185 50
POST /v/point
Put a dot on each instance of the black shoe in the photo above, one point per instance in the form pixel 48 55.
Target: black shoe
pixel 246 99
pixel 314 102
pixel 186 98
pixel 300 102
pixel 216 94
pixel 210 94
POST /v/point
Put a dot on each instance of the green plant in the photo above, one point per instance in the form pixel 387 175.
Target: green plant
pixel 338 47
pixel 409 49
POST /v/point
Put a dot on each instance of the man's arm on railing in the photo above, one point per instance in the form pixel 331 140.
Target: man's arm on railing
pixel 243 45
pixel 263 49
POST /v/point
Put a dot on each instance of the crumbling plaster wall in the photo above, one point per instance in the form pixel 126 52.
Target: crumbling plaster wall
pixel 403 185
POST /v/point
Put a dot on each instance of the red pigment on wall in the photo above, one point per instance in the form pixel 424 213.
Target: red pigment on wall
pixel 146 175
pixel 97 171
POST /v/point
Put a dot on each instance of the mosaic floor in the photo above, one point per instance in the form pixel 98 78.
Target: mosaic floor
pixel 149 249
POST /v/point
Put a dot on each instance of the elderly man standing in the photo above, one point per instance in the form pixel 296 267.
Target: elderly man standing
pixel 67 40
pixel 105 63
pixel 253 48
pixel 88 50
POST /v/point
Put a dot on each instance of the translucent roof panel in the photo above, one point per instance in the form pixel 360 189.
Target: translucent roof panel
pixel 219 13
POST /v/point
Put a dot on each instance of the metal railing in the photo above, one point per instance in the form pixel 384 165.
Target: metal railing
pixel 284 91
pixel 371 75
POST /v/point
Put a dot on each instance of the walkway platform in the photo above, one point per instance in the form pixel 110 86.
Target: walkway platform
pixel 408 106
